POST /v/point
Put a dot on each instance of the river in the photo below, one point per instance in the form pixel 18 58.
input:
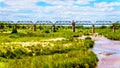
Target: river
pixel 108 52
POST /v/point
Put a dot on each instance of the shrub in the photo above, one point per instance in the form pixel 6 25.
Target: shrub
pixel 76 59
pixel 9 25
pixel 47 31
pixel 88 38
pixel 86 33
pixel 1 25
pixel 9 54
pixel 102 27
pixel 23 27
pixel 17 35
pixel 41 27
pixel 14 31
pixel 19 52
pixel 76 35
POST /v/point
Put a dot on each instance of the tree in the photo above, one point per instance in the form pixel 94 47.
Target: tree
pixel 9 25
pixel 1 25
pixel 14 29
pixel 115 26
pixel 102 27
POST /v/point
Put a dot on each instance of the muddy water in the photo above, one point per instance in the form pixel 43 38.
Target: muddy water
pixel 108 52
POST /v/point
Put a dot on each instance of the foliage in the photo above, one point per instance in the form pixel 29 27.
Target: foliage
pixel 102 27
pixel 88 38
pixel 107 32
pixel 47 31
pixel 116 25
pixel 72 52
pixel 1 25
pixel 74 59
pixel 9 26
pixel 70 56
pixel 14 30
pixel 12 51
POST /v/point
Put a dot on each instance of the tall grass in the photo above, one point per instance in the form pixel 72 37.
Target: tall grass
pixel 76 55
pixel 67 53
pixel 107 32
pixel 73 59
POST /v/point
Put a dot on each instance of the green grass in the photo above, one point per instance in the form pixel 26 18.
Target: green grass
pixel 73 55
pixel 107 32
pixel 25 35
pixel 67 53
pixel 73 59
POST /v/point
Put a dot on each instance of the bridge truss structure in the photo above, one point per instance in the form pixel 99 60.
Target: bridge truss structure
pixel 59 22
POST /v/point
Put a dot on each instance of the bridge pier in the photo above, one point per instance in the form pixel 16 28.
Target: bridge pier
pixel 53 28
pixel 73 26
pixel 93 29
pixel 34 27
pixel 113 28
pixel 15 26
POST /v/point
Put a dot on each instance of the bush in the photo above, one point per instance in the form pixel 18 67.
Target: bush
pixel 88 38
pixel 86 33
pixel 19 52
pixel 17 35
pixel 46 31
pixel 40 27
pixel 9 54
pixel 76 35
pixel 74 59
pixel 89 43
pixel 1 26
pixel 23 27
pixel 14 31
pixel 72 52
pixel 9 25
pixel 102 27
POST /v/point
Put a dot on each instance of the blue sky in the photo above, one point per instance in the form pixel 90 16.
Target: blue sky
pixel 43 4
pixel 92 10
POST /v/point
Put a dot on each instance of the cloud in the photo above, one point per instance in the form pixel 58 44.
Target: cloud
pixel 59 10
pixel 0 0
pixel 105 4
pixel 84 1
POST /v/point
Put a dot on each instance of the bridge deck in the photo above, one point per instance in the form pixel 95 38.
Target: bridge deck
pixel 60 22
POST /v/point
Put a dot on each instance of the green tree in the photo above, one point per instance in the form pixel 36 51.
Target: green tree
pixel 14 29
pixel 115 26
pixel 1 25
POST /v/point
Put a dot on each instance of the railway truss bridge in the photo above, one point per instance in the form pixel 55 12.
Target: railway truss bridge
pixel 59 23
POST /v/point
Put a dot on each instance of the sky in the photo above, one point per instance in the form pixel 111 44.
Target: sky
pixel 55 10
